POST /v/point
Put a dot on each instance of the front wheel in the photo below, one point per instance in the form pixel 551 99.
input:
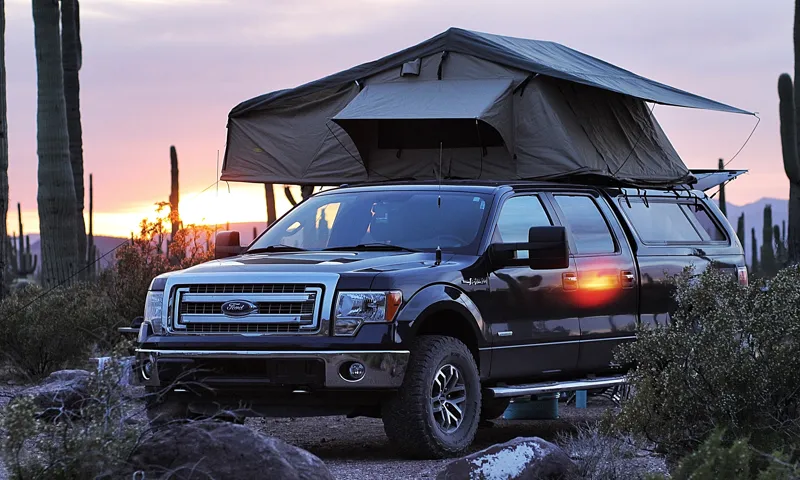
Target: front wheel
pixel 435 413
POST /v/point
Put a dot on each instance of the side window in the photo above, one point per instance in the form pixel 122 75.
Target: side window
pixel 587 224
pixel 517 216
pixel 662 222
pixel 710 230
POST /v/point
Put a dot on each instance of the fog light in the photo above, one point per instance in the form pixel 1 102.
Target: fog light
pixel 357 371
pixel 352 371
pixel 147 369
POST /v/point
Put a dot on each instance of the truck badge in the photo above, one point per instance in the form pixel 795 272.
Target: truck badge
pixel 238 308
pixel 474 281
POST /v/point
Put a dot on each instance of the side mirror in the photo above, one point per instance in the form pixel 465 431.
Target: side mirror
pixel 547 249
pixel 227 244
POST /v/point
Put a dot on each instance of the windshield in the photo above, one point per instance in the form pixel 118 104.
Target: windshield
pixel 408 219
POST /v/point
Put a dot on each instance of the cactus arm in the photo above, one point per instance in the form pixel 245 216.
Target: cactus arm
pixel 788 128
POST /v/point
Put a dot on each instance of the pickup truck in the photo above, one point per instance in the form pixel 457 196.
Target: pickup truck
pixel 429 305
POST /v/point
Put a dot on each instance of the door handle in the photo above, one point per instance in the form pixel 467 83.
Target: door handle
pixel 569 281
pixel 628 279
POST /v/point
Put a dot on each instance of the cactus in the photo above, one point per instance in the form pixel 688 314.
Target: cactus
pixel 56 194
pixel 754 266
pixel 174 196
pixel 790 132
pixel 768 264
pixel 71 61
pixel 740 229
pixel 269 194
pixel 91 249
pixel 23 262
pixel 4 246
pixel 722 205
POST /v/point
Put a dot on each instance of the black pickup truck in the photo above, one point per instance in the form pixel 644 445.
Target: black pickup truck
pixel 427 305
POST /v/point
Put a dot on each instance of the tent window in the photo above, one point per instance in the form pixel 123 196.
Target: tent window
pixel 452 133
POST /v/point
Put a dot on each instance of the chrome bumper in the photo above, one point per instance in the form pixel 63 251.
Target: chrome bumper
pixel 384 368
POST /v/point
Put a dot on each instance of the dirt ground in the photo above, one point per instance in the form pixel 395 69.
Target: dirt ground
pixel 358 448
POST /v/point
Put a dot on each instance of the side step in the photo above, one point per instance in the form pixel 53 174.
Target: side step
pixel 550 387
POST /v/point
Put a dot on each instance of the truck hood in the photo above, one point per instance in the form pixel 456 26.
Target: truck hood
pixel 318 262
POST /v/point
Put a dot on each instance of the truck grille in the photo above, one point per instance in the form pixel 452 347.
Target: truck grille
pixel 270 309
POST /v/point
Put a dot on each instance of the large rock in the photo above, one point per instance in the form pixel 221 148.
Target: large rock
pixel 61 393
pixel 518 459
pixel 203 450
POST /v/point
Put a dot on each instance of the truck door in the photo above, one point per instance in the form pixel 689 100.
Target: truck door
pixel 606 300
pixel 534 332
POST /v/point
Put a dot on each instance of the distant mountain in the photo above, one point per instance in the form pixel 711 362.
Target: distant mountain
pixel 105 247
pixel 754 218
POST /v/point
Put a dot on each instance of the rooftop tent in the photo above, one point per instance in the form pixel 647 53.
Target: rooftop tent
pixel 464 105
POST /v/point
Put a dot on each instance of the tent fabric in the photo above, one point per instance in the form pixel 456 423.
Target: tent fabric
pixel 463 105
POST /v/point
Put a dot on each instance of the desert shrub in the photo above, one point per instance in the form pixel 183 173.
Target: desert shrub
pixel 730 359
pixel 44 331
pixel 145 257
pixel 732 460
pixel 97 442
pixel 601 454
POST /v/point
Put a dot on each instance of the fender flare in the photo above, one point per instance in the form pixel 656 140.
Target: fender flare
pixel 442 297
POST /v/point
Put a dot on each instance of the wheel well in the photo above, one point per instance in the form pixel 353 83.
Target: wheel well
pixel 451 324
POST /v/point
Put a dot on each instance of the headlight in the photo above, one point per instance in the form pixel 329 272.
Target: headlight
pixel 153 307
pixel 353 309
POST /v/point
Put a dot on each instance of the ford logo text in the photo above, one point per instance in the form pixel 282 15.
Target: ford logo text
pixel 238 308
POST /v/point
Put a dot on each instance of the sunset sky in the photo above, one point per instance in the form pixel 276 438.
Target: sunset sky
pixel 167 72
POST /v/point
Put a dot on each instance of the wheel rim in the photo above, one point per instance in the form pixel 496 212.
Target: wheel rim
pixel 448 396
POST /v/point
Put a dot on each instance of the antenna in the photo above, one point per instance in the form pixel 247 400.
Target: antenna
pixel 439 207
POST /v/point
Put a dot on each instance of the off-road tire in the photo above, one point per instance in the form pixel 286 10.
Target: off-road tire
pixel 408 418
pixel 492 408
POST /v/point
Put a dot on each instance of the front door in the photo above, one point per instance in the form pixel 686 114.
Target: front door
pixel 607 297
pixel 534 332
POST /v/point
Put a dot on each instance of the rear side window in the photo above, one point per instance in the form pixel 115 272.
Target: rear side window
pixel 586 222
pixel 672 222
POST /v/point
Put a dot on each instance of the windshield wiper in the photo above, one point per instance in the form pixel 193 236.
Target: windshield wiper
pixel 275 248
pixel 374 246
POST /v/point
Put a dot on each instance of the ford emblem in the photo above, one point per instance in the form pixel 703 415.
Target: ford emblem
pixel 238 308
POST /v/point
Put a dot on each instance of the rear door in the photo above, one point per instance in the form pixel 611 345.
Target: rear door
pixel 534 329
pixel 606 300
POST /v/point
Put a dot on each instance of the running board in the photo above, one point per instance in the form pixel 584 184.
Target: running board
pixel 550 387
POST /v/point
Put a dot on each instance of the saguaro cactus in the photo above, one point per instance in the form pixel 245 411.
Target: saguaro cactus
pixel 754 266
pixel 174 196
pixel 91 249
pixel 768 264
pixel 4 247
pixel 740 229
pixel 23 262
pixel 56 194
pixel 71 59
pixel 722 205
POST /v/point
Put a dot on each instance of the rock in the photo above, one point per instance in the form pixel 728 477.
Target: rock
pixel 518 459
pixel 62 392
pixel 208 449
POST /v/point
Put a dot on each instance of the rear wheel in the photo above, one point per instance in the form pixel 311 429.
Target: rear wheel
pixel 435 413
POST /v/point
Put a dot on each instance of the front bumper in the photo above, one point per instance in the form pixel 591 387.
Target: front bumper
pixel 271 369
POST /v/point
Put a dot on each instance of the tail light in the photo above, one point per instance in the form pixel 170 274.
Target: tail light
pixel 742 274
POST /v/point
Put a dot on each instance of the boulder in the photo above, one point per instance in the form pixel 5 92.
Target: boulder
pixel 63 392
pixel 210 449
pixel 517 459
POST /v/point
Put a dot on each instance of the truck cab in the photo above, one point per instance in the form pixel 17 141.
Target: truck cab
pixel 429 305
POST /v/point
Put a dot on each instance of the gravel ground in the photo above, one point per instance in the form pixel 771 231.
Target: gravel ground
pixel 358 448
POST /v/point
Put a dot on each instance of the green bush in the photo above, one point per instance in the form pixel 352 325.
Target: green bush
pixel 44 331
pixel 95 443
pixel 730 359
